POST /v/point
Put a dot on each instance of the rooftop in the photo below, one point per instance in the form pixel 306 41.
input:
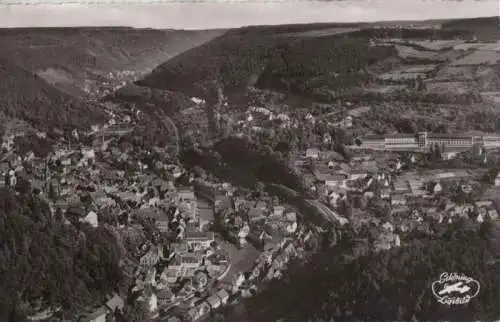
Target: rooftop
pixel 190 259
pixel 254 213
pixel 213 300
pixel 223 293
pixel 165 293
pixel 199 235
pixel 449 136
pixel 373 137
pixel 115 302
pixel 400 135
pixel 397 196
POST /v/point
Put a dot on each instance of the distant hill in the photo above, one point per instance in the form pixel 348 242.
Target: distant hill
pixel 26 96
pixel 72 58
pixel 256 57
pixel 486 29
pixel 236 58
pixel 48 74
pixel 315 60
pixel 308 63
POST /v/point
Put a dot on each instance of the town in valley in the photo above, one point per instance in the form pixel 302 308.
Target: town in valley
pixel 234 189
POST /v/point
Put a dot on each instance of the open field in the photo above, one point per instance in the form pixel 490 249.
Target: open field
pixel 408 72
pixel 436 45
pixel 321 33
pixel 397 76
pixel 456 73
pixel 386 89
pixel 489 57
pixel 418 69
pixel 447 87
pixel 493 97
pixel 495 46
pixel 410 52
pixel 400 76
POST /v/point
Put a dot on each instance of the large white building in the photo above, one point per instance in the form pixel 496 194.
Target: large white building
pixel 424 141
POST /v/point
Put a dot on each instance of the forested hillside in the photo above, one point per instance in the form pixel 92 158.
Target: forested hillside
pixel 317 67
pixel 234 58
pixel 69 58
pixel 286 58
pixel 28 97
pixel 485 29
pixel 44 263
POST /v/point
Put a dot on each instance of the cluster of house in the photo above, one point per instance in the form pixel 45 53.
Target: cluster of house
pixel 108 181
pixel 269 265
pixel 244 218
pixel 330 175
pixel 272 263
pixel 243 225
pixel 80 185
pixel 169 275
pixel 213 302
pixel 426 192
pixel 258 119
pixel 113 82
pixel 414 198
pixel 172 273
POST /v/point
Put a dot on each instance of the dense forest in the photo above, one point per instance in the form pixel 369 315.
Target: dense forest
pixel 242 58
pixel 392 286
pixel 334 63
pixel 243 163
pixel 485 29
pixel 235 58
pixel 262 163
pixel 28 97
pixel 275 58
pixel 40 147
pixel 45 263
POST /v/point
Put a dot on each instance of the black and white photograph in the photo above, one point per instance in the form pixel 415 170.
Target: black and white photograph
pixel 260 161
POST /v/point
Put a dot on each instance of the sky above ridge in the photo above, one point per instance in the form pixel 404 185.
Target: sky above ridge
pixel 218 14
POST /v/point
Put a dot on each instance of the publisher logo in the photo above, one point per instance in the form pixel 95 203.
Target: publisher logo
pixel 455 289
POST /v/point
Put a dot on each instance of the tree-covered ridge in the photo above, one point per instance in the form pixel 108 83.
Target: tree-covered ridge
pixel 322 64
pixel 392 286
pixel 45 263
pixel 29 97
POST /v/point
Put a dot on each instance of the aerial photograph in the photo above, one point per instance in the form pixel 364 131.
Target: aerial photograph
pixel 269 162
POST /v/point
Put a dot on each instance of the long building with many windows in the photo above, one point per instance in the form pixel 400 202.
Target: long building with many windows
pixel 424 141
